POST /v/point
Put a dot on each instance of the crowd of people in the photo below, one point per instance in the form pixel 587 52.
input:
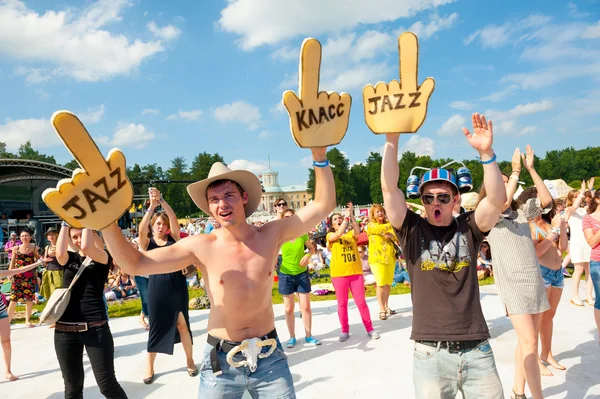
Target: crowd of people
pixel 440 250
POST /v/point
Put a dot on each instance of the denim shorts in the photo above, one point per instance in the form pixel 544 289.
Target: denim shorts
pixel 272 378
pixel 439 373
pixel 289 284
pixel 3 314
pixel 553 278
pixel 595 274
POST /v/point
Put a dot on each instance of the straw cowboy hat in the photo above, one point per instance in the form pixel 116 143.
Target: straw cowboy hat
pixel 247 180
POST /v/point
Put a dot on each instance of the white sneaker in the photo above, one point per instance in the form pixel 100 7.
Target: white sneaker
pixel 344 337
pixel 373 334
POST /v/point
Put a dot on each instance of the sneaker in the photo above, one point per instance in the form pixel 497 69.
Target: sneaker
pixel 344 337
pixel 312 340
pixel 373 334
pixel 291 343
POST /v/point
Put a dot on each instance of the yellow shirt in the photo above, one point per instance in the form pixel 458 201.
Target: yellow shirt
pixel 344 256
pixel 381 249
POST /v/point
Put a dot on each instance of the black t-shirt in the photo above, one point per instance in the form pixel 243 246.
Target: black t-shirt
pixel 87 296
pixel 442 264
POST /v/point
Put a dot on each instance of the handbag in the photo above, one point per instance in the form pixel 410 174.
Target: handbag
pixel 59 300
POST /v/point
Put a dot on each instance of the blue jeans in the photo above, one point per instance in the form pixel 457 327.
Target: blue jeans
pixel 142 284
pixel 272 378
pixel 437 373
pixel 595 274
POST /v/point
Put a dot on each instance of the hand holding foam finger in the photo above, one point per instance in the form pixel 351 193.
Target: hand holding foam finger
pixel 99 192
pixel 400 106
pixel 317 119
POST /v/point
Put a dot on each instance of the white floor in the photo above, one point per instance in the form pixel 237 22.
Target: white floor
pixel 357 368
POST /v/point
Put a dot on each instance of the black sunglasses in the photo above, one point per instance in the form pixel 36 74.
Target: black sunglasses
pixel 281 204
pixel 429 198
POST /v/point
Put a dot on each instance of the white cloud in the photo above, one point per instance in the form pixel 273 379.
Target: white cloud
pixel 453 126
pixel 285 54
pixel 462 105
pixel 307 161
pixel 150 111
pixel 419 145
pixel 192 115
pixel 239 111
pixel 355 77
pixel 92 115
pixel 278 109
pixel 243 164
pixel 264 135
pixel 437 23
pixel 71 43
pixel 133 135
pixel 592 32
pixel 510 127
pixel 289 82
pixel 550 76
pixel 39 131
pixel 494 36
pixel 168 32
pixel 260 22
pixel 574 12
pixel 369 45
pixel 501 94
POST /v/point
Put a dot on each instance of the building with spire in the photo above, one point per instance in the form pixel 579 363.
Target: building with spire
pixel 295 195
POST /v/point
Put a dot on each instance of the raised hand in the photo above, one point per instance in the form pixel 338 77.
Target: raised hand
pixel 482 137
pixel 155 197
pixel 317 119
pixel 99 192
pixel 400 106
pixel 591 183
pixel 516 161
pixel 529 159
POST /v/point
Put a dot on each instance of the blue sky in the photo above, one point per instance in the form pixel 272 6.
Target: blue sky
pixel 165 79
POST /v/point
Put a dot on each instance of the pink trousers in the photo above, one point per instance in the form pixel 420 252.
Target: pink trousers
pixel 356 284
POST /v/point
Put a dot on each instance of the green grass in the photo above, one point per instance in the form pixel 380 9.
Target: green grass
pixel 133 307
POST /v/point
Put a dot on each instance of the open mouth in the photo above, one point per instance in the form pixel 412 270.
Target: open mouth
pixel 225 215
pixel 437 214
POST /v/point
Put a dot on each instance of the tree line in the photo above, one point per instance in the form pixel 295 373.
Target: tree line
pixel 361 184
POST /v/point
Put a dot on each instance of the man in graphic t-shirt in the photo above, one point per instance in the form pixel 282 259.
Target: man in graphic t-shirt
pixel 452 352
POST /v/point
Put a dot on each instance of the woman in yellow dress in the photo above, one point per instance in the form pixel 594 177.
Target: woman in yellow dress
pixel 382 256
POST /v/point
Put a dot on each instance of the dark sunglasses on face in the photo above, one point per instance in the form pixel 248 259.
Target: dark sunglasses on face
pixel 281 204
pixel 429 198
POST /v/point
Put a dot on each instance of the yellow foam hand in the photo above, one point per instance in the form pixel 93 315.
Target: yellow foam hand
pixel 99 192
pixel 399 107
pixel 317 119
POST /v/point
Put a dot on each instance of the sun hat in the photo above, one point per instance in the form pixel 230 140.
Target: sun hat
pixel 218 171
pixel 437 174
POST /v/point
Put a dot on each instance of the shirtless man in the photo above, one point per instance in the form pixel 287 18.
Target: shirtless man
pixel 237 265
pixel 550 241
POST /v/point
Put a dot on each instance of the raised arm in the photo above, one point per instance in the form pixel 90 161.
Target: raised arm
pixel 513 181
pixel 576 203
pixel 158 261
pixel 543 192
pixel 393 198
pixel 174 224
pixel 144 226
pixel 12 272
pixel 90 247
pixel 355 226
pixel 337 234
pixel 62 245
pixel 490 208
pixel 305 218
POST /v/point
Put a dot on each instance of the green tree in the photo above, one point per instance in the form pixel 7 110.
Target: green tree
pixel 26 151
pixel 176 193
pixel 72 164
pixel 359 176
pixel 202 163
pixel 374 168
pixel 4 153
pixel 341 174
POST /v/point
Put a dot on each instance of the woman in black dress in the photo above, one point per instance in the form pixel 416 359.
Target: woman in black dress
pixel 85 322
pixel 168 295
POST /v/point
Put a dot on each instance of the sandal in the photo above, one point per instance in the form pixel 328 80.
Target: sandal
pixel 193 372
pixel 517 396
pixel 382 316
pixel 390 311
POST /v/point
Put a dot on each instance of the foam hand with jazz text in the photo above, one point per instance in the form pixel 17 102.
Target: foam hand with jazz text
pixel 400 106
pixel 99 193
pixel 317 119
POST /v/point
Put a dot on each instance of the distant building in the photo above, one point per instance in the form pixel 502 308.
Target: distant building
pixel 295 195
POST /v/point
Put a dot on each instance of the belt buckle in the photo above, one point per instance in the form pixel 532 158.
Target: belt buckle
pixel 251 349
pixel 86 327
pixel 453 347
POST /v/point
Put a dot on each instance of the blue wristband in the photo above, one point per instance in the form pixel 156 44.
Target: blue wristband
pixel 488 161
pixel 321 164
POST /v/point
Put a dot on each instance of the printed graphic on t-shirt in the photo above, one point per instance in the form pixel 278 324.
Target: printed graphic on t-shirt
pixel 348 253
pixel 452 257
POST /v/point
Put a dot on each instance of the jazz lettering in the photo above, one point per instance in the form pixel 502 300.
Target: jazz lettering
pixel 103 195
pixel 394 103
pixel 316 117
